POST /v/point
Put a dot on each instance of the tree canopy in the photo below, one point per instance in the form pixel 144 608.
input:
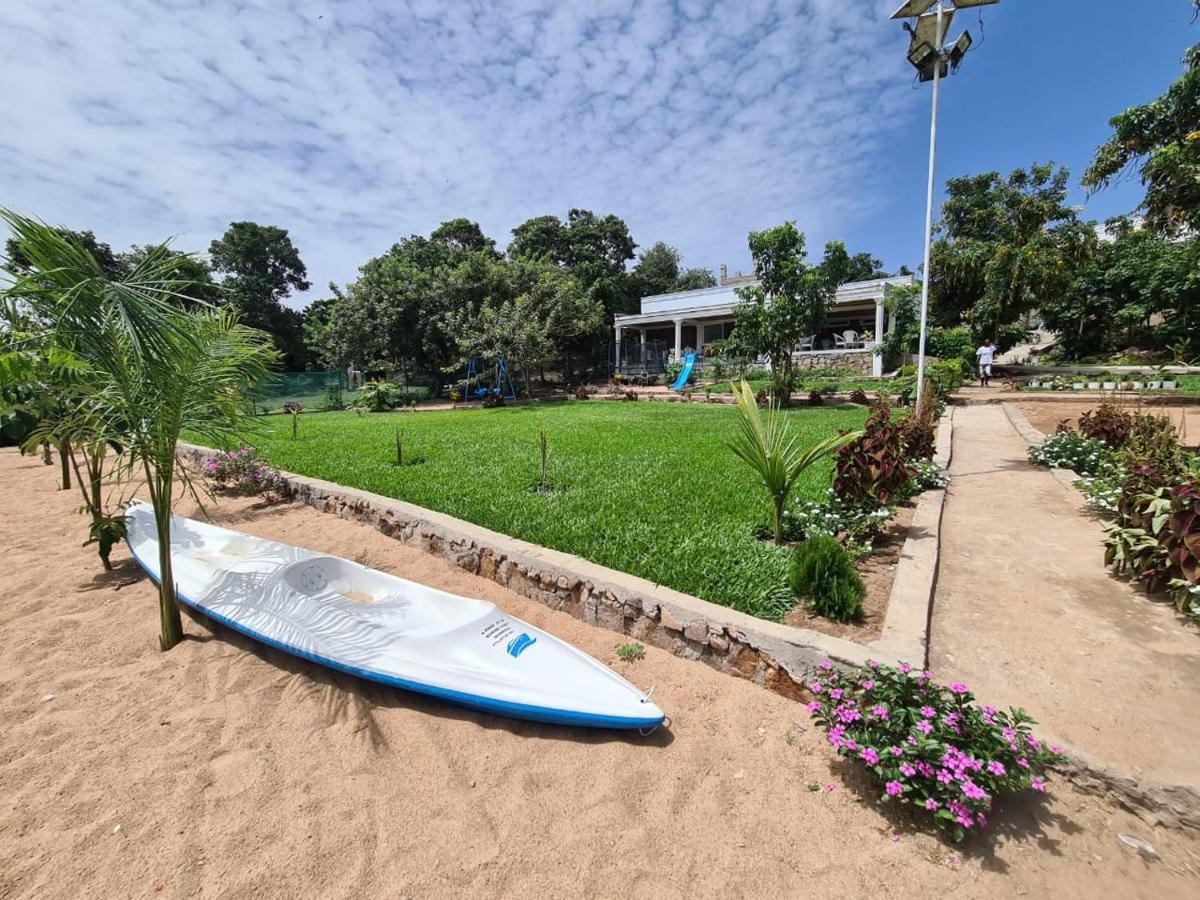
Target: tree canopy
pixel 790 302
pixel 1001 250
pixel 1162 140
pixel 658 271
pixel 261 267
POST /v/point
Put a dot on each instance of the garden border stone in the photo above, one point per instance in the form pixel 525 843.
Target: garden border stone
pixel 779 657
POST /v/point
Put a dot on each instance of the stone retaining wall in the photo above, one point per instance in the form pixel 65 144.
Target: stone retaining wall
pixel 856 360
pixel 778 657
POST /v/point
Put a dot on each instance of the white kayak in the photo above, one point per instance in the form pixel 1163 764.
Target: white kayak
pixel 382 628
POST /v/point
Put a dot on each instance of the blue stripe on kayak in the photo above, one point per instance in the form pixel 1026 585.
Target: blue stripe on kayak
pixel 473 701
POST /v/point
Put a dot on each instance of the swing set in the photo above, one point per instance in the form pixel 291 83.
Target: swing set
pixel 501 380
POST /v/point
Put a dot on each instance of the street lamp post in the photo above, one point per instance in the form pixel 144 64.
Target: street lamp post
pixel 928 53
pixel 937 83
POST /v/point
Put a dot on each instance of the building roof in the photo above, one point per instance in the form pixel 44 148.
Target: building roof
pixel 716 301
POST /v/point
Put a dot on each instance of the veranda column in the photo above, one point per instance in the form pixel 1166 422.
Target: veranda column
pixel 876 358
pixel 617 357
pixel 699 338
pixel 679 340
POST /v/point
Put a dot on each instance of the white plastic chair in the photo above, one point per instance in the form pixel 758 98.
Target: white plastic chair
pixel 806 343
pixel 846 340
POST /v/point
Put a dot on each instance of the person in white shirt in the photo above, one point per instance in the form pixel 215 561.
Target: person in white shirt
pixel 984 355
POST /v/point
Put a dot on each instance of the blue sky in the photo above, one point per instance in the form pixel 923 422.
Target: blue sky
pixel 356 122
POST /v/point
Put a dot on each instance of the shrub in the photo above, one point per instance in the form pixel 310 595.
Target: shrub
pixel 243 471
pixel 816 398
pixel 378 396
pixel 873 468
pixel 929 745
pixel 823 572
pixel 333 396
pixel 1154 439
pixel 491 400
pixel 1070 450
pixel 1135 544
pixel 918 432
pixel 1107 423
pixel 581 392
pixel 859 396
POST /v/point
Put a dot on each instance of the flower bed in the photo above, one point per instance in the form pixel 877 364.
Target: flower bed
pixel 930 745
pixel 1135 474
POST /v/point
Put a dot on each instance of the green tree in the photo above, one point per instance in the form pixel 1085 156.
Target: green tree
pixel 790 301
pixel 405 309
pixel 658 269
pixel 594 249
pixel 1135 289
pixel 864 267
pixel 196 287
pixel 695 278
pixel 999 256
pixel 153 367
pixel 261 267
pixel 17 263
pixel 1162 140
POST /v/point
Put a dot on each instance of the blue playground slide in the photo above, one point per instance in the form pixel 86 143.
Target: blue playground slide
pixel 685 373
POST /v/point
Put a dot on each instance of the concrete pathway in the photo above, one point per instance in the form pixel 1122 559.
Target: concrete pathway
pixel 1026 614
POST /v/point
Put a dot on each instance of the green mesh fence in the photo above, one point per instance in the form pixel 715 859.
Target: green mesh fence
pixel 312 390
pixel 316 391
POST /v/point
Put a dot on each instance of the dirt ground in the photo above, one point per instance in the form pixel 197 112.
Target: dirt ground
pixel 1026 614
pixel 1045 415
pixel 223 768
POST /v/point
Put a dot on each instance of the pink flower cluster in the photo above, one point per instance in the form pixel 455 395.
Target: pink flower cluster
pixel 928 744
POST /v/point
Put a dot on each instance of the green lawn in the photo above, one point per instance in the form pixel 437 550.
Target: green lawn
pixel 646 488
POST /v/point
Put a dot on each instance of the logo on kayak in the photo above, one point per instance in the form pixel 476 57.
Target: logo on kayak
pixel 520 644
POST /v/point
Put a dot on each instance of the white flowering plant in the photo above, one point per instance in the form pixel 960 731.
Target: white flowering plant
pixel 1071 450
pixel 856 525
pixel 929 475
pixel 1102 490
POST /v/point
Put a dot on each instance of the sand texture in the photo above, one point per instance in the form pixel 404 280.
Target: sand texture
pixel 224 769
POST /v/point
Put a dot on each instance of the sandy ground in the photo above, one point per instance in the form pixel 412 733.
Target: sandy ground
pixel 1027 614
pixel 226 769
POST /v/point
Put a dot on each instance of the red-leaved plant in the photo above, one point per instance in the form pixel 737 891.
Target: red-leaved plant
pixel 927 744
pixel 874 467
pixel 1183 540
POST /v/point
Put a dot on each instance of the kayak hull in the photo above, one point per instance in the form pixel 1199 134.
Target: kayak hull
pixel 388 630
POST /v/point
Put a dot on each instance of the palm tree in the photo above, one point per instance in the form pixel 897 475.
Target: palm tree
pixel 154 367
pixel 766 445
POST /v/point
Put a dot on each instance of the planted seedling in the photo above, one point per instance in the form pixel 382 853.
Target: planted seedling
pixel 543 485
pixel 631 652
pixel 401 459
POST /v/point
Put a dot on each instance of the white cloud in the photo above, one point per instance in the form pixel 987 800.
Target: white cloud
pixel 355 122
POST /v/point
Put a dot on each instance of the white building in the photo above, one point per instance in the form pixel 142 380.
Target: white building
pixel 687 320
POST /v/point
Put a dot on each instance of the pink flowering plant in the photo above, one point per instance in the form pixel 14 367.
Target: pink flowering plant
pixel 929 744
pixel 243 471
